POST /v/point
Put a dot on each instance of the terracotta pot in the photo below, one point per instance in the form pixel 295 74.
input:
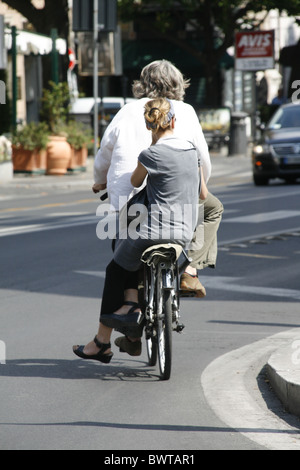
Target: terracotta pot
pixel 28 161
pixel 78 159
pixel 23 160
pixel 41 160
pixel 58 155
pixel 81 157
pixel 72 165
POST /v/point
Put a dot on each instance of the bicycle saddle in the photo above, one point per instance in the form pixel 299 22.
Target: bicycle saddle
pixel 156 252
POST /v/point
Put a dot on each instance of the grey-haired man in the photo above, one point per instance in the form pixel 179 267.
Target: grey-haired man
pixel 126 137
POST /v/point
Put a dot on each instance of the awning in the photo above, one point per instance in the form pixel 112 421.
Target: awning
pixel 33 43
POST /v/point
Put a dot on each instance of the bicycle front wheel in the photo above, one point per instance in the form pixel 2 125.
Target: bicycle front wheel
pixel 164 335
pixel 151 345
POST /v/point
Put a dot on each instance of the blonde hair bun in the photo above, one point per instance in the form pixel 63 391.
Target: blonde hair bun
pixel 158 114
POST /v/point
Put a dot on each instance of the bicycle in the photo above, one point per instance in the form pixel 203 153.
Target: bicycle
pixel 159 298
pixel 160 302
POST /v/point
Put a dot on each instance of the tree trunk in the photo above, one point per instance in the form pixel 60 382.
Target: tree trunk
pixel 212 84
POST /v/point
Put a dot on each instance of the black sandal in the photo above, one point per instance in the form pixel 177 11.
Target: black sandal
pixel 100 356
pixel 130 324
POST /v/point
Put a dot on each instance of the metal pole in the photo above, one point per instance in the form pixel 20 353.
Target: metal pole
pixel 14 78
pixel 96 86
pixel 54 57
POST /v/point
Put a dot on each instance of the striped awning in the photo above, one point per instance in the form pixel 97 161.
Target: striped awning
pixel 33 43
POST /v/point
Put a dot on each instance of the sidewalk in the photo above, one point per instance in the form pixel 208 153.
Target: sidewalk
pixel 83 178
pixel 283 370
pixel 32 183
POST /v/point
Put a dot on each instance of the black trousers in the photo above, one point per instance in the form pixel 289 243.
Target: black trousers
pixel 117 280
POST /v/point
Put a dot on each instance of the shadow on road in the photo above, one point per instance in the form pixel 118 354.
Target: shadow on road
pixel 78 369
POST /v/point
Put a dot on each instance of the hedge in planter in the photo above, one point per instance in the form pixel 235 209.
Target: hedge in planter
pixel 79 137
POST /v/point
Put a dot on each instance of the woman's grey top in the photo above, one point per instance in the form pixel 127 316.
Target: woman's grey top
pixel 172 190
pixel 173 194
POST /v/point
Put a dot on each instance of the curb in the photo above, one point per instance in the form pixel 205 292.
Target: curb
pixel 283 371
pixel 235 389
pixel 34 181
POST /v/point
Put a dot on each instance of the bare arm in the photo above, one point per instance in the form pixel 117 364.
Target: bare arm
pixel 138 176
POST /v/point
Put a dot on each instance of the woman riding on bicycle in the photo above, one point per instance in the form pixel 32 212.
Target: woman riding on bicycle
pixel 171 167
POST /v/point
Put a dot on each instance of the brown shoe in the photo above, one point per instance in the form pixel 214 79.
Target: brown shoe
pixel 133 348
pixel 191 286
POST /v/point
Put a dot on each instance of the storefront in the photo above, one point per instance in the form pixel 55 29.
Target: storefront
pixel 29 50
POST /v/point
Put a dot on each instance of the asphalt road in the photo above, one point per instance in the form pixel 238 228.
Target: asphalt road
pixel 51 274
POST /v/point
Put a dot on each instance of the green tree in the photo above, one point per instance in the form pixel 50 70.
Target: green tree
pixel 213 21
pixel 55 14
pixel 56 105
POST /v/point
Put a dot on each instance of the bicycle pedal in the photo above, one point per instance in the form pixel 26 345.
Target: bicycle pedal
pixel 179 327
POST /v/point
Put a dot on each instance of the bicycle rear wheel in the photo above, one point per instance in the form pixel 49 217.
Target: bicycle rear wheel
pixel 164 335
pixel 151 342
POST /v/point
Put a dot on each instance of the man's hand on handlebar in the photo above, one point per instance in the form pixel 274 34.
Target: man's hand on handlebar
pixel 98 187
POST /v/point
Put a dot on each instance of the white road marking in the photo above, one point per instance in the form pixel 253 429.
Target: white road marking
pixel 255 255
pixel 291 231
pixel 263 217
pixel 67 214
pixel 280 193
pixel 92 273
pixel 232 284
pixel 227 391
pixel 16 230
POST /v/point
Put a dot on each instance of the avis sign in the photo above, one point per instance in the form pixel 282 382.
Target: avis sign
pixel 254 50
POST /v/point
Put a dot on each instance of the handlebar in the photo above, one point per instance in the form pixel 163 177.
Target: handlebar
pixel 103 197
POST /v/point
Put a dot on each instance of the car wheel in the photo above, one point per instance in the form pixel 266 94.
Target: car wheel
pixel 260 180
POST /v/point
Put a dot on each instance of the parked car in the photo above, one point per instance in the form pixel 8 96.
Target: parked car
pixel 82 110
pixel 277 153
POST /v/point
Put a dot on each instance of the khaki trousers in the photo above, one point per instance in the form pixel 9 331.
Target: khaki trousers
pixel 203 249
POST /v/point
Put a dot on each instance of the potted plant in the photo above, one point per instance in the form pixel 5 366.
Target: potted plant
pixel 79 137
pixel 29 145
pixel 55 110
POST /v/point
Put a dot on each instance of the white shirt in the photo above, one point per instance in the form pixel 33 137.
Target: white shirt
pixel 127 136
